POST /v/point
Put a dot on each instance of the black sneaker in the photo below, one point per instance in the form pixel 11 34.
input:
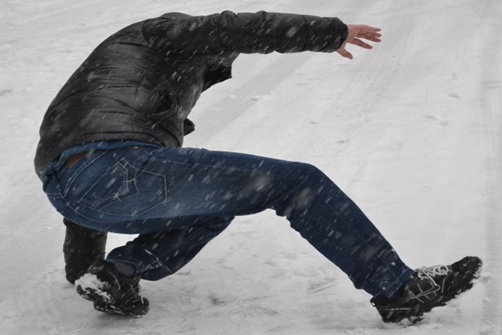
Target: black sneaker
pixel 428 288
pixel 111 291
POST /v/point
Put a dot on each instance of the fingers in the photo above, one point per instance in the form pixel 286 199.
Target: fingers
pixel 356 36
pixel 371 37
pixel 368 29
pixel 344 53
pixel 369 33
pixel 363 31
pixel 361 44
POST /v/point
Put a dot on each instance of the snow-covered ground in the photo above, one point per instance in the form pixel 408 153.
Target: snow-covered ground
pixel 410 130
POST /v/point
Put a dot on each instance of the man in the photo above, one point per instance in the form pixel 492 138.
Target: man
pixel 111 159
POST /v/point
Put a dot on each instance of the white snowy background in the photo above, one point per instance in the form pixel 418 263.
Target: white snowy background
pixel 411 130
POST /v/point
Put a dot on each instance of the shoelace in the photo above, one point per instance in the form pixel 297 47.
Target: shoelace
pixel 428 273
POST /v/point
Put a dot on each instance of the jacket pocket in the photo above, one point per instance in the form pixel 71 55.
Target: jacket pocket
pixel 125 190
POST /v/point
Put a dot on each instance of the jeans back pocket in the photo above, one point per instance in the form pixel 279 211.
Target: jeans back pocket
pixel 125 190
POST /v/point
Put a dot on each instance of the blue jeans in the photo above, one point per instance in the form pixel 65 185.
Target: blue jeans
pixel 179 199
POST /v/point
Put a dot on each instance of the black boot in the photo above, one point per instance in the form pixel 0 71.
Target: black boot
pixel 82 247
pixel 428 288
pixel 111 291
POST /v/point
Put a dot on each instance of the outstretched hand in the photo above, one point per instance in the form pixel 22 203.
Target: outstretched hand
pixel 358 32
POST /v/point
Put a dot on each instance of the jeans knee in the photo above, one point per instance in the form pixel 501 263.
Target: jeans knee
pixel 310 173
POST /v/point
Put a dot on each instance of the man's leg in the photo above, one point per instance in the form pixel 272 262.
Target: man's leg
pixel 113 286
pixel 157 255
pixel 124 190
pixel 127 191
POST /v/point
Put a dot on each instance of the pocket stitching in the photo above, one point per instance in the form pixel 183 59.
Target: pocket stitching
pixel 132 189
pixel 129 186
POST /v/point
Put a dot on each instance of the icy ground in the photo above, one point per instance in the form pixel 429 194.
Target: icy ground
pixel 410 130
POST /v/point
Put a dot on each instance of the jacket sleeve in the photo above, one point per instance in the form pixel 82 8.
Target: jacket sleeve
pixel 260 32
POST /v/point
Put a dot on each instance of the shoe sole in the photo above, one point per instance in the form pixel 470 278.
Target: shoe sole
pixel 115 310
pixel 103 303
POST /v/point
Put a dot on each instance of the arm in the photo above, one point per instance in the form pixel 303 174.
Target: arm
pixel 262 32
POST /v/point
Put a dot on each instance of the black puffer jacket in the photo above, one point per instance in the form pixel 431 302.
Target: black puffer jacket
pixel 142 82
